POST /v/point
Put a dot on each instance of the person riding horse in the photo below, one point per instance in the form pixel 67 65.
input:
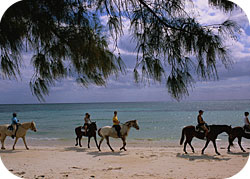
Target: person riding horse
pixel 246 122
pixel 87 122
pixel 14 125
pixel 201 123
pixel 116 124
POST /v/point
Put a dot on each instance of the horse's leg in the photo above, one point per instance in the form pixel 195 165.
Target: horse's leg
pixel 239 142
pixel 124 144
pixel 185 144
pixel 215 147
pixel 96 142
pixel 89 141
pixel 24 141
pixel 76 141
pixel 191 146
pixel 100 143
pixel 230 141
pixel 2 141
pixel 107 138
pixel 80 139
pixel 15 143
pixel 202 152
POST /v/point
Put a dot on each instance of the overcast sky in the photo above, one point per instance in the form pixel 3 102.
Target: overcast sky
pixel 233 83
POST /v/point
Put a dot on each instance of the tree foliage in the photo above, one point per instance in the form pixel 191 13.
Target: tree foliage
pixel 67 39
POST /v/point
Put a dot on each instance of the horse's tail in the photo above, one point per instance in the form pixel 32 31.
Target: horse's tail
pixel 182 136
pixel 99 132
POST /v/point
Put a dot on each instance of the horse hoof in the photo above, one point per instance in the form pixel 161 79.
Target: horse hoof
pixel 27 148
pixel 218 153
pixel 244 151
pixel 80 146
pixel 76 145
pixel 3 148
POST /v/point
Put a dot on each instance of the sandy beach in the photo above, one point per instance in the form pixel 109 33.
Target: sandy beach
pixel 146 161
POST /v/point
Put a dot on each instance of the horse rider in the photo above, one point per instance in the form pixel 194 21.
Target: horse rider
pixel 246 121
pixel 201 123
pixel 14 125
pixel 87 122
pixel 116 124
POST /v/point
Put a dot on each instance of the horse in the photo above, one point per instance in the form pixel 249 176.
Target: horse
pixel 237 132
pixel 90 133
pixel 108 131
pixel 215 130
pixel 20 133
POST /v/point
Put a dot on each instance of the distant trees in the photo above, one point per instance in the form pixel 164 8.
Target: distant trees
pixel 67 39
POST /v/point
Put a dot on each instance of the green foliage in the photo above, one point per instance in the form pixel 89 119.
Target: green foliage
pixel 67 39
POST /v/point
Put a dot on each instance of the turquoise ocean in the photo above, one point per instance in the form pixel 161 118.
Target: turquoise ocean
pixel 158 121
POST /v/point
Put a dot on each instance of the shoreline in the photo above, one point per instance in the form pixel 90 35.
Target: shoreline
pixel 117 142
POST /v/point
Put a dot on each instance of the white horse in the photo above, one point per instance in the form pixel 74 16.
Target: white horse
pixel 21 132
pixel 108 131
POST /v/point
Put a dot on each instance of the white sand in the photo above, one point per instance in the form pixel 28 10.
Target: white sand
pixel 138 162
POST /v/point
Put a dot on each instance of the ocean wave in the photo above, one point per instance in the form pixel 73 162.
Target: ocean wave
pixel 44 138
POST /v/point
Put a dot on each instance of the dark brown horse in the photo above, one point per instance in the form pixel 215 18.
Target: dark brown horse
pixel 90 133
pixel 237 132
pixel 215 130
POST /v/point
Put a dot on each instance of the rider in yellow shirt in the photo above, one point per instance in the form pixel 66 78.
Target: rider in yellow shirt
pixel 116 125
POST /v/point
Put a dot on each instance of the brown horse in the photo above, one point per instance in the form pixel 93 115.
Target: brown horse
pixel 215 130
pixel 90 133
pixel 237 132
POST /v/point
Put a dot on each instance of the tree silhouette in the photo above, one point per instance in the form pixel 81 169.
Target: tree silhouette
pixel 67 39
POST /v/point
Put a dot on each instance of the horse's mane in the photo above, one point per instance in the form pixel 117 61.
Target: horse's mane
pixel 128 122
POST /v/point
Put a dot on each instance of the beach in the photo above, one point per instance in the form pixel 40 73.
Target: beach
pixel 152 152
pixel 147 161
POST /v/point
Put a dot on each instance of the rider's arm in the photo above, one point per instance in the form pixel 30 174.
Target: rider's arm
pixel 248 121
pixel 200 120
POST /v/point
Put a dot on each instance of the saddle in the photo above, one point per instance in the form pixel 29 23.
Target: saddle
pixel 199 129
pixel 246 129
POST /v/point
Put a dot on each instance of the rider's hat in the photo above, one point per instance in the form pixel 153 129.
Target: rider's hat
pixel 200 111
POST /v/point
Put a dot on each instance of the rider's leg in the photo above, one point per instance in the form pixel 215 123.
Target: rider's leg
pixel 85 129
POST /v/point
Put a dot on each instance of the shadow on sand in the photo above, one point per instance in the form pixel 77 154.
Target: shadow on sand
pixel 194 157
pixel 243 154
pixel 76 149
pixel 98 153
pixel 95 153
pixel 10 151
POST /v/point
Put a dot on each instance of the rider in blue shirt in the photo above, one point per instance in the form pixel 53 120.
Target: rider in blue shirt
pixel 14 123
pixel 14 120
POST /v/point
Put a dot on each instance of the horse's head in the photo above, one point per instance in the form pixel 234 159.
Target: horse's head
pixel 33 126
pixel 134 124
pixel 93 126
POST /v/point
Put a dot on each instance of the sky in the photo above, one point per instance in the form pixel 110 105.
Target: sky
pixel 232 84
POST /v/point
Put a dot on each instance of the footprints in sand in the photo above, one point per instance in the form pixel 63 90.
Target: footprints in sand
pixel 147 156
pixel 20 174
pixel 110 168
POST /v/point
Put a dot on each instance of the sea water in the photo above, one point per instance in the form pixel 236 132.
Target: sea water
pixel 158 121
